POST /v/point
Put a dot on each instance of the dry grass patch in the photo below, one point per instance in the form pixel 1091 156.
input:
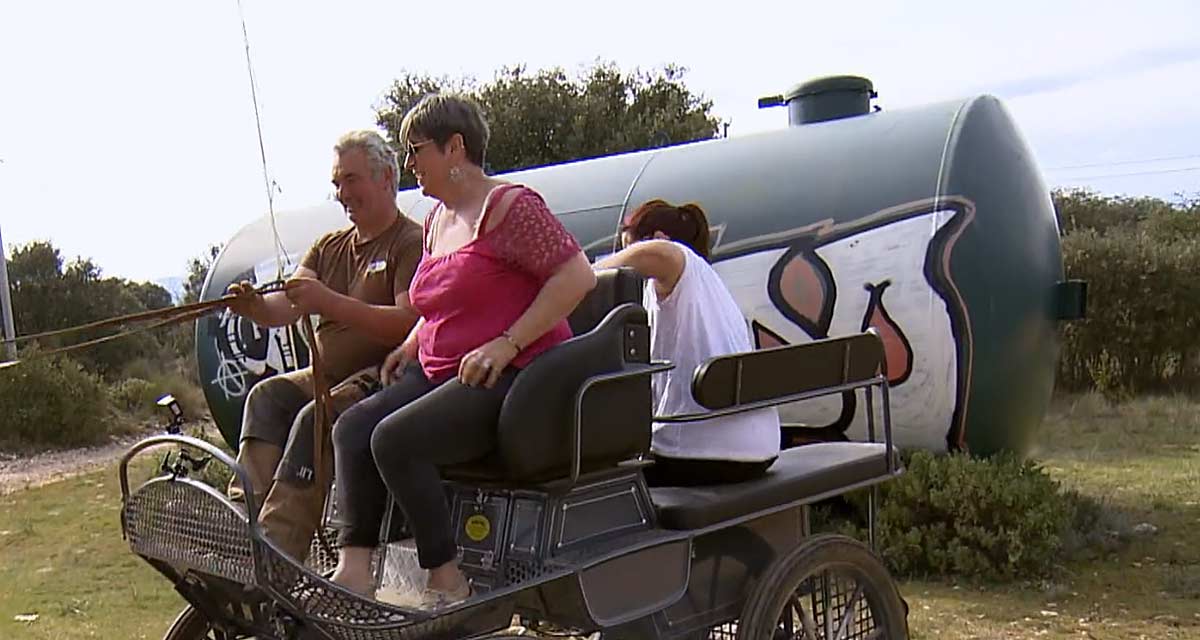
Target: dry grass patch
pixel 64 560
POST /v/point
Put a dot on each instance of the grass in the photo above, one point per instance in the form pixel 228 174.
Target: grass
pixel 64 561
pixel 1142 460
pixel 63 557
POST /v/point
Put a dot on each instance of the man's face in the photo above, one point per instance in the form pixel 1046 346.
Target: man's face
pixel 358 188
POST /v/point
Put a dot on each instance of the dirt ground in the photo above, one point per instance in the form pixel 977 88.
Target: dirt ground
pixel 24 472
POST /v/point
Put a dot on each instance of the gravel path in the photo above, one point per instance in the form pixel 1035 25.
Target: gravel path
pixel 25 472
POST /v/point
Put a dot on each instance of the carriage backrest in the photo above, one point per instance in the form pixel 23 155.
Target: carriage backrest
pixel 729 381
pixel 534 432
pixel 614 287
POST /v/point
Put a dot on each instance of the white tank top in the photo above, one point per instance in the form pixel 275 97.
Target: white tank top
pixel 697 321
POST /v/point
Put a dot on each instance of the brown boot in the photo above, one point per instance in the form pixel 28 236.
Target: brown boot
pixel 290 516
pixel 259 458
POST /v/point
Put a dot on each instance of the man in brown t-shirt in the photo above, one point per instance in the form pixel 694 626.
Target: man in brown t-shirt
pixel 356 279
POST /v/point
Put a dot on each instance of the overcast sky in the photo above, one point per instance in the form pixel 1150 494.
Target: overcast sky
pixel 127 133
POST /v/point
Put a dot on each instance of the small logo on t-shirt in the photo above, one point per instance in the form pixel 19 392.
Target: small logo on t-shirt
pixel 376 267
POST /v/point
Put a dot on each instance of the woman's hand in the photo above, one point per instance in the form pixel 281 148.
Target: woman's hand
pixel 395 362
pixel 485 364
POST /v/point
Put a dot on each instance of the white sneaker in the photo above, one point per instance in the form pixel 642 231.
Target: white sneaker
pixel 406 598
pixel 438 599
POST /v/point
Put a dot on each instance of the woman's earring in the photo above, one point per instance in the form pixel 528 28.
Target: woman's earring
pixel 455 174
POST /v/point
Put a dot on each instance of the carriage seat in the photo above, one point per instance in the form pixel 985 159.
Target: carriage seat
pixel 534 433
pixel 805 474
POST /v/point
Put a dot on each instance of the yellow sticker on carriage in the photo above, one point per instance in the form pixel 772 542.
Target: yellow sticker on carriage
pixel 478 527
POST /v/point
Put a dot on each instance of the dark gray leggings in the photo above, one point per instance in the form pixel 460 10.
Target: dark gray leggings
pixel 395 440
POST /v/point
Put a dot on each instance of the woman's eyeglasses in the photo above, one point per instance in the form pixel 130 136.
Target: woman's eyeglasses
pixel 411 150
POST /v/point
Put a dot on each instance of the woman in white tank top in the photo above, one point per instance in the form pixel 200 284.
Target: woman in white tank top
pixel 693 317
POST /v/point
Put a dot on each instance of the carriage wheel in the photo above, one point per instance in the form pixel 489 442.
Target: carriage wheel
pixel 189 625
pixel 830 587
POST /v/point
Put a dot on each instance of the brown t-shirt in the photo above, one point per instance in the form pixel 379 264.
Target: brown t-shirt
pixel 374 271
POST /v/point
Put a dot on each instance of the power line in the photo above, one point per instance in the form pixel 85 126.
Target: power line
pixel 1122 162
pixel 1135 173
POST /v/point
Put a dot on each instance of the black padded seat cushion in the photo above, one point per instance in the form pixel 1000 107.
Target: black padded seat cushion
pixel 534 427
pixel 799 473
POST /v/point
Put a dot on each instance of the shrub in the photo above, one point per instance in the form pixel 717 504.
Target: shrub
pixel 173 375
pixel 216 475
pixel 1083 209
pixel 999 518
pixel 1144 292
pixel 1140 259
pixel 996 519
pixel 52 402
pixel 135 396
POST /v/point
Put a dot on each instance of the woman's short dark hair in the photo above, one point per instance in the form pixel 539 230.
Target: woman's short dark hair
pixel 439 116
pixel 685 223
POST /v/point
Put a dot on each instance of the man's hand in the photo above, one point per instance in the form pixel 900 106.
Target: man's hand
pixel 395 362
pixel 308 295
pixel 247 298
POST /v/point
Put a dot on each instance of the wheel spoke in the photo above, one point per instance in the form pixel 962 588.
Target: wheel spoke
pixel 848 617
pixel 788 618
pixel 826 602
pixel 827 589
pixel 807 622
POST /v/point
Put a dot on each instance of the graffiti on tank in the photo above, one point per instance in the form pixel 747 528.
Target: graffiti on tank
pixel 246 352
pixel 888 271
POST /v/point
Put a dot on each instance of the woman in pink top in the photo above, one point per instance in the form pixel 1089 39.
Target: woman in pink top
pixel 498 277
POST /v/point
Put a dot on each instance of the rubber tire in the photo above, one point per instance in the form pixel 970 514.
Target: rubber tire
pixel 189 625
pixel 763 608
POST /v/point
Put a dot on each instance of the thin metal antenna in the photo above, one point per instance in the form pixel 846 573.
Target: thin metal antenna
pixel 6 314
pixel 280 252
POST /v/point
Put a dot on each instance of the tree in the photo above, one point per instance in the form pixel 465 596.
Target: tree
pixel 150 295
pixel 197 271
pixel 49 296
pixel 548 117
pixel 35 275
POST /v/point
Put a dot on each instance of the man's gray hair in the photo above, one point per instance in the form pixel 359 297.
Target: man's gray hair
pixel 380 154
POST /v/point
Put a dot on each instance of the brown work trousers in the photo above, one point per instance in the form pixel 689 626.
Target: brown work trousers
pixel 277 449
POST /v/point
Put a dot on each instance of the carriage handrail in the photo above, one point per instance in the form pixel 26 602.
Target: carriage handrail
pixel 206 447
pixel 770 402
pixel 848 383
pixel 631 371
pixel 878 380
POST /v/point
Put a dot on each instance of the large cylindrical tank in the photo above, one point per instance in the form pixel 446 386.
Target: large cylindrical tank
pixel 931 224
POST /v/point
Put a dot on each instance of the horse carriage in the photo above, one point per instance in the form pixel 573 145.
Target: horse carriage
pixel 557 527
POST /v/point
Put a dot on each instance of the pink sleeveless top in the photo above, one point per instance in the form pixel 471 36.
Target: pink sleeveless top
pixel 470 296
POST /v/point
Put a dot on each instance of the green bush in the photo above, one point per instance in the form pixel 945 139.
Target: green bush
pixel 216 475
pixel 135 396
pixel 1144 309
pixel 174 375
pixel 52 402
pixel 998 519
pixel 1083 209
pixel 995 519
pixel 1139 257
